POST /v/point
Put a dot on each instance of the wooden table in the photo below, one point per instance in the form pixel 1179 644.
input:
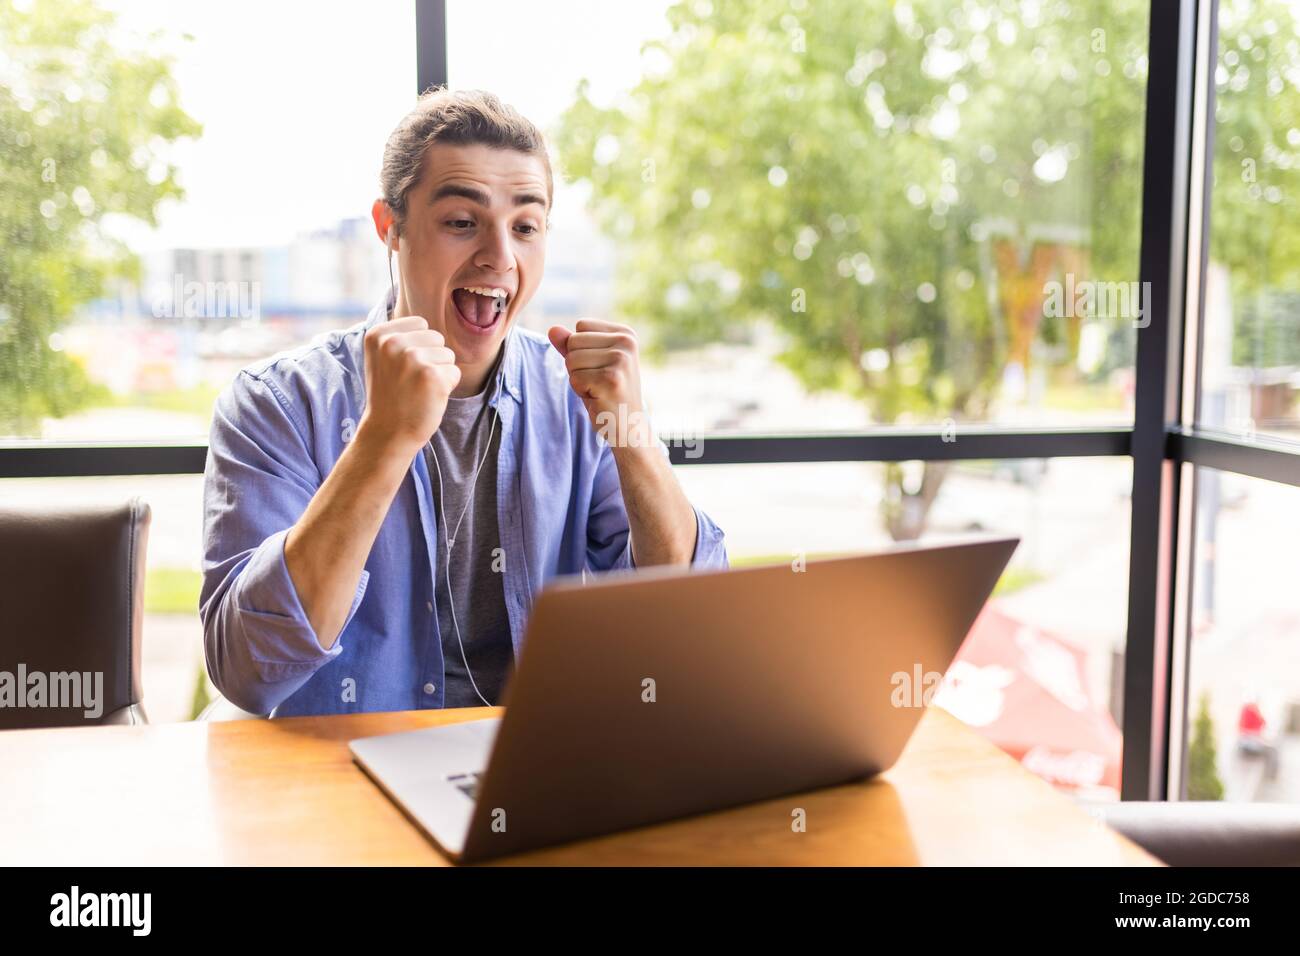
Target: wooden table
pixel 286 792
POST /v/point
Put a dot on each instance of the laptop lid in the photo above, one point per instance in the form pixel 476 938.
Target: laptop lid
pixel 662 693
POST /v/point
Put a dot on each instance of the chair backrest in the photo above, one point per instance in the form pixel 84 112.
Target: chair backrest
pixel 71 603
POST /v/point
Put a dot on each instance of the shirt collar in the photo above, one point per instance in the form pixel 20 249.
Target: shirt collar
pixel 514 357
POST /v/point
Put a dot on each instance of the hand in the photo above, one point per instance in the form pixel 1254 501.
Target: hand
pixel 604 371
pixel 410 374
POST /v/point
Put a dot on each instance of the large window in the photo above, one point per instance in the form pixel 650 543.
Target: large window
pixel 1235 707
pixel 739 176
pixel 904 270
pixel 1243 720
pixel 1250 366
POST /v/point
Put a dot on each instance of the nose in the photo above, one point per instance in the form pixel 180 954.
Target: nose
pixel 494 253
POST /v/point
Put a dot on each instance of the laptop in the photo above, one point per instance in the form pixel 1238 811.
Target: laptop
pixel 649 695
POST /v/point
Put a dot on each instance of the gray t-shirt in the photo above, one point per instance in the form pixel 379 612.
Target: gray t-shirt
pixel 476 585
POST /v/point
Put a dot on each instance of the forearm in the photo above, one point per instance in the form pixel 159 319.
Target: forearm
pixel 326 549
pixel 661 519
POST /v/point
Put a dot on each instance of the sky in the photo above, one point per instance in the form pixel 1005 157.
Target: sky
pixel 297 99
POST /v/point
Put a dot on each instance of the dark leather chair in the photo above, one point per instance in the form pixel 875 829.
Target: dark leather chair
pixel 1208 833
pixel 71 603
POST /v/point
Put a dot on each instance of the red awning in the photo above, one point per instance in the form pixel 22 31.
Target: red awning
pixel 1026 690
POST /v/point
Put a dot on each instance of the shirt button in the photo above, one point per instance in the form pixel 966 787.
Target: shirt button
pixel 429 688
pixel 428 606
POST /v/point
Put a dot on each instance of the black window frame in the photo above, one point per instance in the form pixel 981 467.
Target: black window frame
pixel 1163 442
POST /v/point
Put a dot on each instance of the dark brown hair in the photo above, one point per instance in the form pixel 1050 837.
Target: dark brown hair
pixel 459 117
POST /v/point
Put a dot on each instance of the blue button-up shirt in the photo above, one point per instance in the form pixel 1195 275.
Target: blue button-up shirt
pixel 277 431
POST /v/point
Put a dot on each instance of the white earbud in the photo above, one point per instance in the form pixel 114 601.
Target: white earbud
pixel 392 284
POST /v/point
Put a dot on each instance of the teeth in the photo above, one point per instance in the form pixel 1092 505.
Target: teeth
pixel 484 290
pixel 500 297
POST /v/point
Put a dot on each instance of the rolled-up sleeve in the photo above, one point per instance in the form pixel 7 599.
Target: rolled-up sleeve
pixel 609 538
pixel 260 476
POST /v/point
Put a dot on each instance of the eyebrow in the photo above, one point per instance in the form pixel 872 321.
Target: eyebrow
pixel 475 195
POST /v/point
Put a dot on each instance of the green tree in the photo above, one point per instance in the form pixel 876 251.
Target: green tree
pixel 1256 199
pixel 846 171
pixel 86 114
pixel 889 185
pixel 1203 781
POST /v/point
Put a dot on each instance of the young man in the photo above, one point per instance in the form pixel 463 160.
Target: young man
pixel 380 508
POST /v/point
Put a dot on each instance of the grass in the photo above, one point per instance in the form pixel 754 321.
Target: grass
pixel 1013 579
pixel 197 400
pixel 176 590
pixel 1082 397
pixel 172 591
pixel 750 560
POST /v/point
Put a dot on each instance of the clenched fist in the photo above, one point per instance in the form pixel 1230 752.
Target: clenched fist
pixel 410 374
pixel 605 372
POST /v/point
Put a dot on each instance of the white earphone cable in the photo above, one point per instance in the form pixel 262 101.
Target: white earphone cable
pixel 450 540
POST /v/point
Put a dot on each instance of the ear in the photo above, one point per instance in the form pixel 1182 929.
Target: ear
pixel 385 223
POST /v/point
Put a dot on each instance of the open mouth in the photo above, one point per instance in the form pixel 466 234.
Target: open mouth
pixel 480 307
